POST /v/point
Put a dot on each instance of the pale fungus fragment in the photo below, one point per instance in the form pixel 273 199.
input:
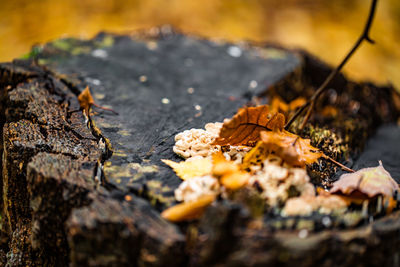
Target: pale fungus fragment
pixel 197 142
pixel 194 188
pixel 278 183
pixel 306 205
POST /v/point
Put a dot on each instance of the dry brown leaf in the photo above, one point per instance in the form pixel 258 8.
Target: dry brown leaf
pixel 290 147
pixel 190 168
pixel 188 210
pixel 368 182
pixel 245 127
pixel 86 100
pixel 231 177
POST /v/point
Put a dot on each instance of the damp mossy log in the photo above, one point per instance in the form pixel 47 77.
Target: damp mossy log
pixel 88 191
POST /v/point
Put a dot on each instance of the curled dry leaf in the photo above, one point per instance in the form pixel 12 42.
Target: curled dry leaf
pixel 367 182
pixel 290 147
pixel 188 210
pixel 230 174
pixel 197 166
pixel 245 127
pixel 86 100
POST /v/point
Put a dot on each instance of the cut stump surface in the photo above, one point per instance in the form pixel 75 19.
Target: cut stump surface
pixel 88 191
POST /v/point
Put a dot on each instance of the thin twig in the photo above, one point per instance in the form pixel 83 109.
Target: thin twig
pixel 338 163
pixel 104 108
pixel 364 36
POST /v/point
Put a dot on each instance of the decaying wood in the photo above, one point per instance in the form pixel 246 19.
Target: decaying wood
pixel 61 209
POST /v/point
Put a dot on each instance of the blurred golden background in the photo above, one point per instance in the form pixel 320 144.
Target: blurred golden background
pixel 326 28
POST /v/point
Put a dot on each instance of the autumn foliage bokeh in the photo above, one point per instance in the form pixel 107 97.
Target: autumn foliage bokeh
pixel 325 28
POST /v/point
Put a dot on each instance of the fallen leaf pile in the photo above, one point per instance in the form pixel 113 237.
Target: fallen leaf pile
pixel 252 149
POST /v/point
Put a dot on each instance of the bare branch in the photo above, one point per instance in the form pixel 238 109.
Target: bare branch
pixel 311 102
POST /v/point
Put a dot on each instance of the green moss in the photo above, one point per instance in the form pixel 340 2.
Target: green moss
pixel 107 41
pixel 156 193
pixel 305 224
pixel 63 44
pixel 34 53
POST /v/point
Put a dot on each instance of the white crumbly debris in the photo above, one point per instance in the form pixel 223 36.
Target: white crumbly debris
pixel 236 153
pixel 213 128
pixel 197 142
pixel 305 205
pixel 194 188
pixel 277 181
pixel 331 203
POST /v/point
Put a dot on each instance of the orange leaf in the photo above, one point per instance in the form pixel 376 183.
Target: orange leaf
pixel 222 166
pixel 86 100
pixel 298 102
pixel 245 127
pixel 235 180
pixel 231 177
pixel 188 210
pixel 290 147
pixel 278 105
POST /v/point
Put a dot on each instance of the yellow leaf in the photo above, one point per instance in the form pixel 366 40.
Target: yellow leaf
pixel 188 210
pixel 190 168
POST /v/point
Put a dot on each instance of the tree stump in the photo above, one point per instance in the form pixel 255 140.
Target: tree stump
pixel 88 191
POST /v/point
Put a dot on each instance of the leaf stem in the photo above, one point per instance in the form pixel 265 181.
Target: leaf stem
pixel 104 108
pixel 338 163
pixel 311 102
